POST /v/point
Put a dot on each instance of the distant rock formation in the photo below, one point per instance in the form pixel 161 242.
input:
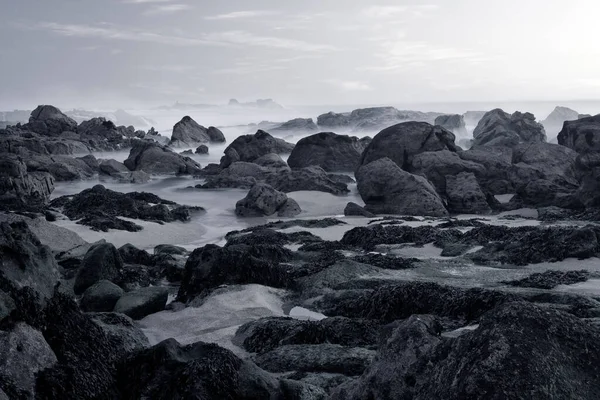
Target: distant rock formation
pixel 371 119
pixel 297 125
pixel 498 128
pixel 454 123
pixel 554 122
pixel 260 103
pixel 119 117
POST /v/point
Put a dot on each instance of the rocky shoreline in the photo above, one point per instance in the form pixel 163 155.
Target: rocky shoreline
pixel 465 274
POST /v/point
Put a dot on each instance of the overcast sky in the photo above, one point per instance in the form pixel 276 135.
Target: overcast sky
pixel 124 52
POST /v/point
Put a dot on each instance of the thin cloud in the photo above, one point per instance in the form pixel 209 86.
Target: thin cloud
pixel 169 68
pixel 167 9
pixel 228 38
pixel 246 38
pixel 349 86
pixel 242 14
pixel 393 11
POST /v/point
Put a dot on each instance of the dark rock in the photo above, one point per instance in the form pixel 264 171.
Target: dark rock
pixel 142 302
pixel 202 149
pixel 187 133
pixel 316 358
pixel 551 278
pixel 86 354
pixel 498 128
pixel 102 261
pixel 20 189
pixel 387 189
pixel 100 208
pixel 353 209
pixel 329 151
pixel 297 125
pixel 170 370
pixel 528 245
pixel 309 178
pixel 50 121
pixel 211 266
pixel 267 334
pixel 91 161
pixel 101 296
pixel 303 223
pixel 465 196
pixel 250 147
pixel 390 302
pixel 121 330
pixel 25 261
pixel 289 209
pixel 535 350
pixel 437 165
pixel 215 135
pixel 170 249
pixel 153 158
pixel 262 200
pixel 401 142
pixel 23 353
pixel 370 237
pixel 582 135
pixel 112 167
pixel 387 261
pixel 272 161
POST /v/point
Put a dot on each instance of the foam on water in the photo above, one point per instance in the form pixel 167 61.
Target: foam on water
pixel 218 318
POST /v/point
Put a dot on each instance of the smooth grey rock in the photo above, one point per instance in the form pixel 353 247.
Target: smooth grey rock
pixel 387 189
pixel 101 296
pixel 329 151
pixel 250 147
pixel 142 302
pixel 353 209
pixel 262 200
pixel 215 135
pixel 153 158
pixel 188 132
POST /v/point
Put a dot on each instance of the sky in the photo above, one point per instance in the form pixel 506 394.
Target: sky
pixel 98 53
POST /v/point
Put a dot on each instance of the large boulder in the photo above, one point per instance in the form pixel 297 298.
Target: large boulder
pixel 215 135
pixel 582 135
pixel 50 121
pixel 102 261
pixel 329 151
pixel 498 128
pixel 141 302
pixel 402 142
pixel 100 128
pixel 309 178
pixel 112 167
pixel 454 123
pixel 387 189
pixel 24 261
pixel 101 296
pixel 23 353
pixel 465 196
pixel 262 200
pixel 188 133
pixel 20 189
pixel 202 370
pixel 297 125
pixel 518 348
pixel 497 162
pixel 250 147
pixel 153 158
pixel 436 165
